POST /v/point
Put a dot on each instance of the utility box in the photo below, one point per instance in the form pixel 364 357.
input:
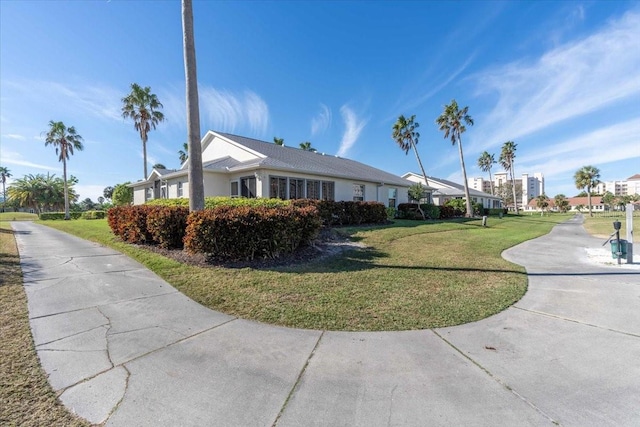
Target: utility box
pixel 615 250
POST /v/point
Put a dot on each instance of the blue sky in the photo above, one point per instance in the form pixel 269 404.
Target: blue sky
pixel 561 79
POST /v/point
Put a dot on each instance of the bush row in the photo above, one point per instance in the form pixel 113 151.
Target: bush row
pixel 346 212
pixel 225 232
pixel 94 215
pixel 244 233
pixel 411 211
pixel 214 202
pixel 45 216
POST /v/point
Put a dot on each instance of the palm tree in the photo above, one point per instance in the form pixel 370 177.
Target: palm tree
pixel 587 177
pixel 196 183
pixel 184 153
pixel 278 141
pixel 25 192
pixel 561 202
pixel 142 106
pixel 65 140
pixel 452 122
pixel 306 146
pixel 4 174
pixel 485 163
pixel 405 135
pixel 507 158
pixel 542 202
pixel 159 166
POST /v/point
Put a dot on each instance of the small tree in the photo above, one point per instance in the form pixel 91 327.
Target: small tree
pixel 278 141
pixel 122 194
pixel 306 146
pixel 562 203
pixel 107 192
pixel 485 163
pixel 542 202
pixel 587 177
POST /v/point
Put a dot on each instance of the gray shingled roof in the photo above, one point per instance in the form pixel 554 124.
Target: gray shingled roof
pixel 295 159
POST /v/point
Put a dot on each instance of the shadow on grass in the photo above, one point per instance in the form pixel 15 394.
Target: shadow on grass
pixel 10 231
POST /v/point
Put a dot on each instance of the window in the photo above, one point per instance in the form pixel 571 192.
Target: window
pixel 180 191
pixel 296 188
pixel 393 193
pixel 248 187
pixel 328 190
pixel 313 189
pixel 234 189
pixel 358 193
pixel 278 187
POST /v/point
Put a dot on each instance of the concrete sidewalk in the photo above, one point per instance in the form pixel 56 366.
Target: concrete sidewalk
pixel 125 348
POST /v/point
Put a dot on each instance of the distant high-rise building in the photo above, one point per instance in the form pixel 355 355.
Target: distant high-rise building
pixel 528 187
pixel 626 187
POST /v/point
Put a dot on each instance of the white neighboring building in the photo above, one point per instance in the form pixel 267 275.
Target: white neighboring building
pixel 445 190
pixel 244 167
pixel 620 188
pixel 532 185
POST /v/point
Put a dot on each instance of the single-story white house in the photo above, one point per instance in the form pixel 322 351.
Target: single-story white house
pixel 444 190
pixel 243 167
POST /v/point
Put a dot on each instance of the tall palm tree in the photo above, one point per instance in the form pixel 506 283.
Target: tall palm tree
pixel 485 163
pixel 306 146
pixel 507 159
pixel 587 177
pixel 65 140
pixel 24 192
pixel 184 153
pixel 452 122
pixel 142 107
pixel 196 183
pixel 4 174
pixel 278 141
pixel 405 135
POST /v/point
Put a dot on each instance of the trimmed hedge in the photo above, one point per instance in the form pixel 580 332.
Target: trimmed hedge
pixel 346 212
pixel 93 215
pixel 130 223
pixel 167 225
pixel 214 202
pixel 244 233
pixel 45 216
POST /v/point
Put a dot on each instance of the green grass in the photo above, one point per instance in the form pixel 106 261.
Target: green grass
pixel 25 395
pixel 17 216
pixel 603 225
pixel 412 275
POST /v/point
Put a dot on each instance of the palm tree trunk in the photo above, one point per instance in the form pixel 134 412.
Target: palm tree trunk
pixel 513 187
pixel 144 157
pixel 589 200
pixel 196 184
pixel 464 177
pixel 66 191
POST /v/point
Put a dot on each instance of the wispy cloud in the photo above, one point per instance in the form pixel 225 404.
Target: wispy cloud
pixel 94 99
pixel 227 111
pixel 321 121
pixel 13 158
pixel 565 157
pixel 353 127
pixel 569 81
pixel 14 136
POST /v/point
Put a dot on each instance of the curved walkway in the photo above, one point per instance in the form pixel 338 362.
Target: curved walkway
pixel 123 347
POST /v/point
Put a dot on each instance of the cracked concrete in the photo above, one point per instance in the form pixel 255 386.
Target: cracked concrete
pixel 122 347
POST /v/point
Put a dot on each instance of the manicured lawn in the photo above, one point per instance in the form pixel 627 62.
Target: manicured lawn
pixel 26 399
pixel 603 225
pixel 17 216
pixel 411 275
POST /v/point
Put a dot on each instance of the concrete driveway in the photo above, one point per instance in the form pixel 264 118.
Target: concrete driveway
pixel 123 347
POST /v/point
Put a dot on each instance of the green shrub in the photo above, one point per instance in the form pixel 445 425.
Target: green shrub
pixel 45 216
pixel 346 212
pixel 244 233
pixel 494 212
pixel 93 215
pixel 391 213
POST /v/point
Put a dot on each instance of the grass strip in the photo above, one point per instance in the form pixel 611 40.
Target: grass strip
pixel 25 395
pixel 411 275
